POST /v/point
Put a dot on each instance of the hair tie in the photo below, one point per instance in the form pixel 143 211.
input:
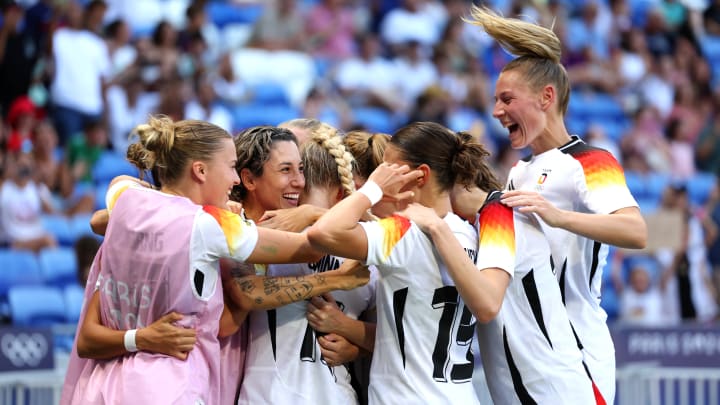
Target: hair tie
pixel 370 140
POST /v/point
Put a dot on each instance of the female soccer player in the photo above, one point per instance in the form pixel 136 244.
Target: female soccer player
pixel 528 350
pixel 155 235
pixel 577 191
pixel 422 350
pixel 284 352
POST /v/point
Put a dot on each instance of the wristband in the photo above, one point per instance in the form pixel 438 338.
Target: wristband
pixel 372 191
pixel 129 340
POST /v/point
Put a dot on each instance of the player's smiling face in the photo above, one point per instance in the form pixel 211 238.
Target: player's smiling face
pixel 518 108
pixel 282 179
pixel 221 175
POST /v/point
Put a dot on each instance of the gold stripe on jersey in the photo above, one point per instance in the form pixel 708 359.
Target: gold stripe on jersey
pixel 231 224
pixel 496 229
pixel 601 169
pixel 394 228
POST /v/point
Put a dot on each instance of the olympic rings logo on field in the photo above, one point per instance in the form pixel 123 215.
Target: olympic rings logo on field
pixel 24 349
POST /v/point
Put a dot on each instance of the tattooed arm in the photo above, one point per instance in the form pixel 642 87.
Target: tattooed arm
pixel 251 292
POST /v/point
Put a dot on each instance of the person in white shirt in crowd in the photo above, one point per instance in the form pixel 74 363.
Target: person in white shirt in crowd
pixel 81 66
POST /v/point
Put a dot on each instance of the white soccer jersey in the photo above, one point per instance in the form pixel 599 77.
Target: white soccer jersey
pixel 424 331
pixel 283 364
pixel 581 178
pixel 528 351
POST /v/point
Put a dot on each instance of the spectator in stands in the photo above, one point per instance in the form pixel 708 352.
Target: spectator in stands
pixel 174 94
pixel 690 294
pixel 325 105
pixel 707 147
pixel 587 34
pixel 81 67
pixel 711 18
pixel 645 140
pixel 330 27
pixel 127 103
pixel 53 174
pixel 370 79
pixel 195 19
pixel 18 54
pixel 205 106
pixel 85 149
pixel 417 71
pixel 23 202
pixel 680 149
pixel 21 119
pixel 641 302
pixel 85 248
pixel 230 88
pixel 159 56
pixel 281 26
pixel 123 55
pixel 420 21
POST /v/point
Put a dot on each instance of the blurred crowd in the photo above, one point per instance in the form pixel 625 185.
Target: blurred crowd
pixel 77 76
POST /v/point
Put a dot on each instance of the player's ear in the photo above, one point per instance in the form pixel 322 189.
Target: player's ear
pixel 425 169
pixel 247 179
pixel 199 170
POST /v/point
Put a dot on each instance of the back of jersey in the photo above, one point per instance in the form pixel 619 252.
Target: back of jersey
pixel 424 331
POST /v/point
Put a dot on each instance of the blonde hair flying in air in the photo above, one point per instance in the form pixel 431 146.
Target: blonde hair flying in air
pixel 537 48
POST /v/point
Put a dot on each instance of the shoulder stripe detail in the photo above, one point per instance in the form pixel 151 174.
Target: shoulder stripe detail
pixel 394 227
pixel 533 297
pixel 230 223
pixel 518 385
pixel 600 166
pixel 496 224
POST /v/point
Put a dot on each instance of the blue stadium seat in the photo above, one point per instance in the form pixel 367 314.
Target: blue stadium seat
pixel 710 46
pixel 80 225
pixel 598 107
pixel 58 266
pixel 19 267
pixel 59 226
pixel 648 205
pixel 100 192
pixel 636 183
pixel 269 93
pixel 222 13
pixel 74 296
pixel 655 185
pixel 36 305
pixel 374 119
pixel 111 165
pixel 250 115
pixel 700 186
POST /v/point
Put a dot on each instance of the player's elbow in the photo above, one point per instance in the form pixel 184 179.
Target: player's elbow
pixel 319 237
pixel 487 313
pixel 638 239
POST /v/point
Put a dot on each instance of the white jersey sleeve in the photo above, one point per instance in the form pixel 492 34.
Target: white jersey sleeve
pixel 384 249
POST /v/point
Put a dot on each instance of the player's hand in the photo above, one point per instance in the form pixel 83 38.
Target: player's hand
pixel 234 207
pixel 357 274
pixel 337 350
pixel 533 202
pixel 421 215
pixel 163 336
pixel 324 315
pixel 392 178
pixel 291 219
